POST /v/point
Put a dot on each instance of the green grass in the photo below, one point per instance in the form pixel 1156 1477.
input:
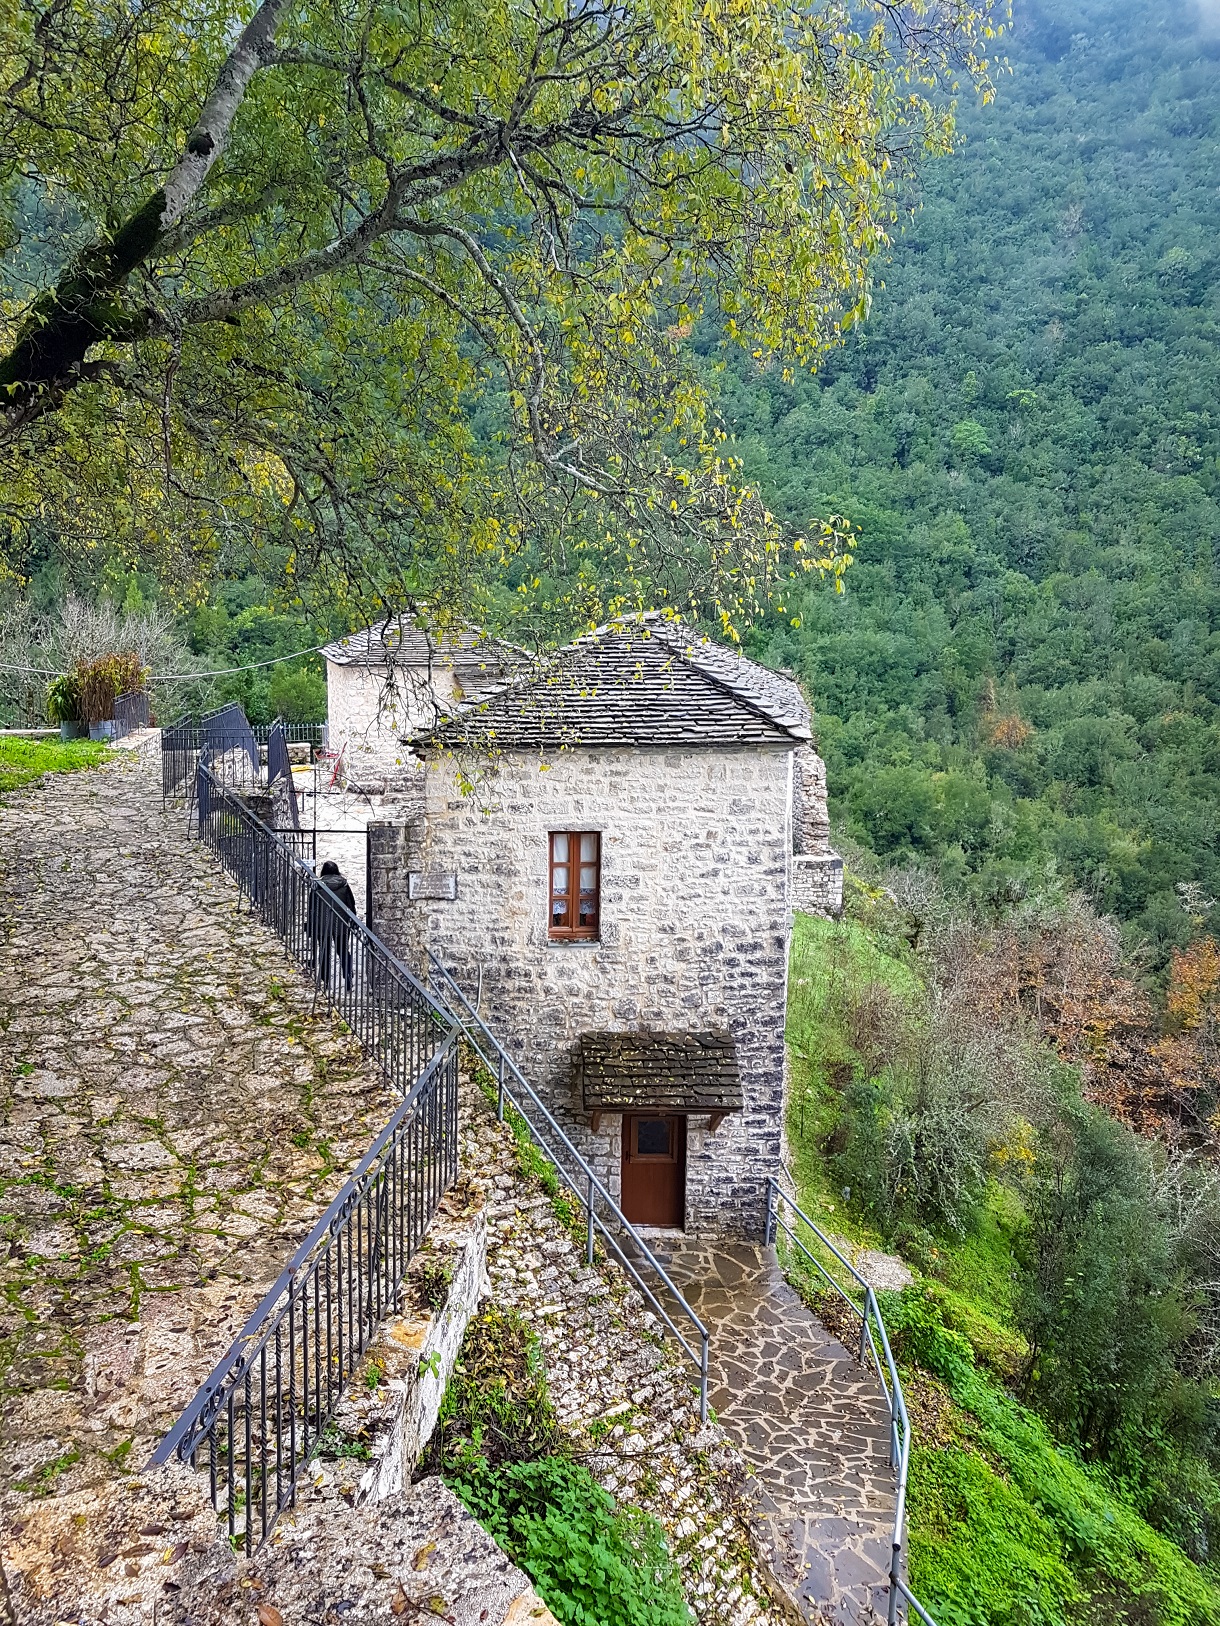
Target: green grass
pixel 1006 1528
pixel 1009 1529
pixel 22 761
pixel 826 955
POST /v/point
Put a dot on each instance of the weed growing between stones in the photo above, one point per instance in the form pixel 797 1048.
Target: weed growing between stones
pixel 533 1164
pixel 429 1279
pixel 499 1447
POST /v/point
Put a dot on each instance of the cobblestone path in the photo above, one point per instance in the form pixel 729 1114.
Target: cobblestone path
pixel 174 1116
pixel 628 1401
pixel 809 1419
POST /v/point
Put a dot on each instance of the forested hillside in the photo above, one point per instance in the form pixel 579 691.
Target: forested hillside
pixel 1022 679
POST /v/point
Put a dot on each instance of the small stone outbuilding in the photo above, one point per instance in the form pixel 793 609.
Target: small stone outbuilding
pixel 610 846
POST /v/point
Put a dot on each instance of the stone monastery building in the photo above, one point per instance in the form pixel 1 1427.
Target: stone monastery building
pixel 605 849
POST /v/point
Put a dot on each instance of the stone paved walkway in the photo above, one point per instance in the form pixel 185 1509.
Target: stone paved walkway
pixel 173 1117
pixel 809 1419
pixel 628 1401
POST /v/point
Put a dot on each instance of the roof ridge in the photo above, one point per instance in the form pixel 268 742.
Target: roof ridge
pixel 749 701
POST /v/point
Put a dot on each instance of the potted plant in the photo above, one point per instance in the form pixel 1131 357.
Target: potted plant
pixel 63 706
pixel 99 682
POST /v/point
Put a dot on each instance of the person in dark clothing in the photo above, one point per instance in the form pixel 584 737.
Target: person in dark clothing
pixel 330 928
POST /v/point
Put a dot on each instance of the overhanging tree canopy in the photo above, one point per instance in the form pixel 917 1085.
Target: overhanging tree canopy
pixel 412 288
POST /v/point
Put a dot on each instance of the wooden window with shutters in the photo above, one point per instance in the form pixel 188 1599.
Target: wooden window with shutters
pixel 576 883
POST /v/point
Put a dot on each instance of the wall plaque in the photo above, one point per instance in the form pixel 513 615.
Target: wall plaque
pixel 431 885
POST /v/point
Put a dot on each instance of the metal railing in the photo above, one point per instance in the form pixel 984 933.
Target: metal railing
pixel 603 1216
pixel 874 1346
pixel 183 741
pixel 131 713
pixel 264 1410
pixel 395 1018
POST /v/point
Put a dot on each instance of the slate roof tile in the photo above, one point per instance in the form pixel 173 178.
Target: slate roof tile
pixel 642 682
pixel 676 1072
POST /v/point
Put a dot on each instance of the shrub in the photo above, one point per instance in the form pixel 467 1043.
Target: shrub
pixel 498 1446
pixel 1101 1300
pixel 63 699
pixel 496 1407
pixel 592 1563
pixel 101 681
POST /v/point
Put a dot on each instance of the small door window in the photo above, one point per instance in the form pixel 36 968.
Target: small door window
pixel 654 1137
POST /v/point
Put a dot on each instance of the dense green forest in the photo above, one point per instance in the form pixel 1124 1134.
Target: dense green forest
pixel 1022 679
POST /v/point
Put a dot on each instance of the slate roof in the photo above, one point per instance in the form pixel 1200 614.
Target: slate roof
pixel 479 663
pixel 642 681
pixel 676 1072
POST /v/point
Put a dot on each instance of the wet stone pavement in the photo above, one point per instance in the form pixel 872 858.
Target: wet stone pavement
pixel 175 1115
pixel 809 1419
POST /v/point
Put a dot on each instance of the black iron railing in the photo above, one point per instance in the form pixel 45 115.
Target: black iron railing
pixel 396 1019
pixel 183 742
pixel 603 1216
pixel 131 713
pixel 262 1413
pixel 815 1248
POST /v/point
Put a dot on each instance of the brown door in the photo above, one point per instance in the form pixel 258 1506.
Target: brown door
pixel 654 1169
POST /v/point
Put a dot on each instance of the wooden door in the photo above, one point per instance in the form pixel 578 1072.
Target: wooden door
pixel 654 1169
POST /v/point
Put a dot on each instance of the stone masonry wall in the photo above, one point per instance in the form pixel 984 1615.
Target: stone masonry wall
pixel 817 884
pixel 810 818
pixel 694 932
pixel 369 711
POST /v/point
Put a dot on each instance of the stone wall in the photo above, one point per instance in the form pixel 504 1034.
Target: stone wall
pixel 694 931
pixel 810 817
pixel 817 884
pixel 370 710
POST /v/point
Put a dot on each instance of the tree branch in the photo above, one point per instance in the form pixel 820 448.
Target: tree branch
pixel 85 306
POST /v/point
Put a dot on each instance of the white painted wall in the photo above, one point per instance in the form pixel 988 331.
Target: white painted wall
pixel 371 709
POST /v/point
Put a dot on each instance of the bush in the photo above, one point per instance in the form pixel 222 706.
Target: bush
pixel 498 1446
pixel 592 1563
pixel 1101 1301
pixel 63 699
pixel 297 697
pixel 100 682
pixel 497 1407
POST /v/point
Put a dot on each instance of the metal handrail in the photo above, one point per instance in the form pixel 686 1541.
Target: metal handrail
pixel 261 1413
pixel 396 1019
pixel 585 1186
pixel 872 1333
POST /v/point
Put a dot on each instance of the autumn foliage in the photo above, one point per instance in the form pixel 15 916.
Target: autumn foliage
pixel 1065 969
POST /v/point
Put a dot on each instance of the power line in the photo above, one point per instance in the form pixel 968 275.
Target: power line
pixel 181 677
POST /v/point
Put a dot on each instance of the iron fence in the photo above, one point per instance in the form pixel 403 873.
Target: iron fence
pixel 183 742
pixel 874 1347
pixel 603 1216
pixel 264 1411
pixel 395 1018
pixel 131 713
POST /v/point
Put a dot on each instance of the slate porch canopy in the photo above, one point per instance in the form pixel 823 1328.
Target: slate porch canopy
pixel 679 1073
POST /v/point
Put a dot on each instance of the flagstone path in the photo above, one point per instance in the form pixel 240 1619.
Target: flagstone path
pixel 810 1420
pixel 174 1115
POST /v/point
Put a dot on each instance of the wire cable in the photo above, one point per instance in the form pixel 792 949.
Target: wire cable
pixel 182 677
